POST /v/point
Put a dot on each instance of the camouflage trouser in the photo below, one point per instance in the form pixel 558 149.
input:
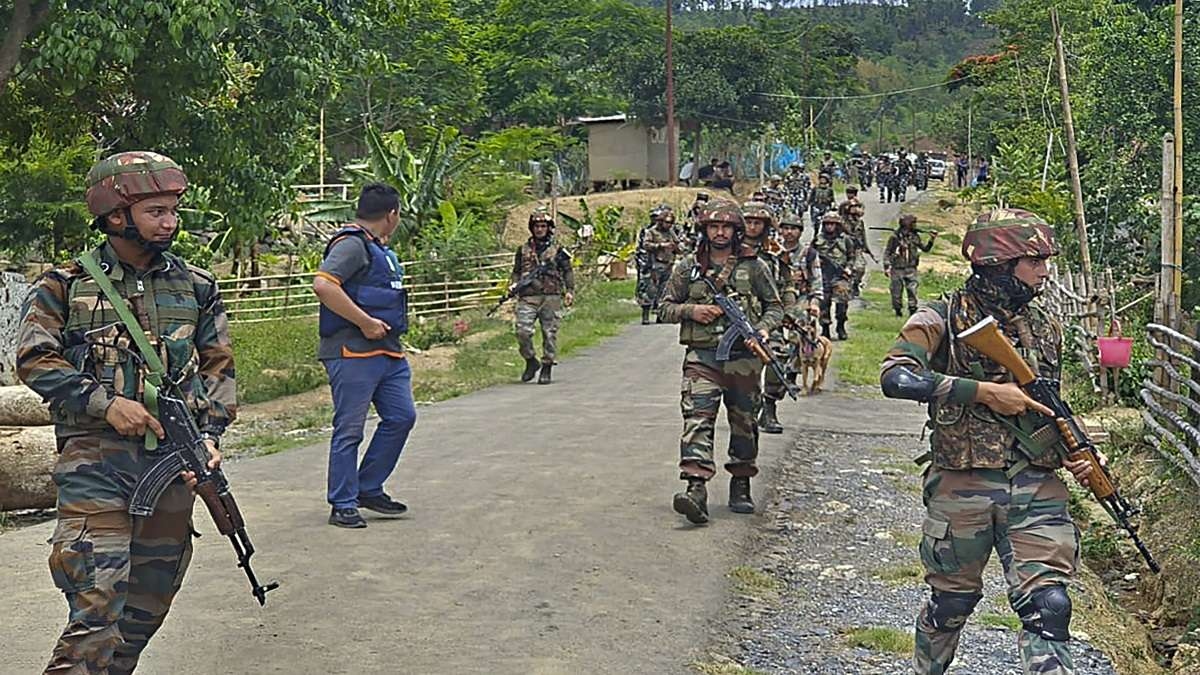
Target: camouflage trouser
pixel 119 573
pixel 904 279
pixel 707 382
pixel 837 297
pixel 544 308
pixel 860 271
pixel 773 387
pixel 650 286
pixel 1025 520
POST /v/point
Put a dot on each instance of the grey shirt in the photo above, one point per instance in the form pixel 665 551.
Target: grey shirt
pixel 347 263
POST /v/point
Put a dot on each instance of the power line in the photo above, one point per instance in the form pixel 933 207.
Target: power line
pixel 863 96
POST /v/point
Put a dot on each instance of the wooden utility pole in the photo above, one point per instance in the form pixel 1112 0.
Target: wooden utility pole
pixel 812 132
pixel 321 158
pixel 1165 307
pixel 1085 256
pixel 879 145
pixel 672 149
pixel 1177 191
pixel 970 157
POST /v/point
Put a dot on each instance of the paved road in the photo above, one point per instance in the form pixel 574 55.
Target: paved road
pixel 540 540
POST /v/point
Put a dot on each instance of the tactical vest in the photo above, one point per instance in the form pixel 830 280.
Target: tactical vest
pixel 738 284
pixel 549 282
pixel 165 301
pixel 379 291
pixel 836 255
pixel 657 235
pixel 907 254
pixel 799 266
pixel 971 435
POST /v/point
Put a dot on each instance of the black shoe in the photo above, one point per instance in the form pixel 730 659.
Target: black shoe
pixel 825 331
pixel 531 368
pixel 767 421
pixel 382 503
pixel 544 376
pixel 645 316
pixel 693 503
pixel 739 495
pixel 349 517
pixel 841 330
pixel 897 310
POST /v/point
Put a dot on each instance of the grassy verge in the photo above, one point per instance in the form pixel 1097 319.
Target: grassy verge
pixel 882 639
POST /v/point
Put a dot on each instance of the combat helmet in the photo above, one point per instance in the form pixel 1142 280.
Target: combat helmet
pixel 1004 234
pixel 662 212
pixel 792 219
pixel 122 180
pixel 759 211
pixel 722 211
pixel 541 215
pixel 832 217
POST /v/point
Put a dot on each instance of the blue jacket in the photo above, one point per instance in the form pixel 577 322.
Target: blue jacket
pixel 379 291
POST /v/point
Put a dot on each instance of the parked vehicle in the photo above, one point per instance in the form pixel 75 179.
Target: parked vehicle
pixel 937 169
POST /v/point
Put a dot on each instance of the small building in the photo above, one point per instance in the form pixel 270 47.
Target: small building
pixel 625 149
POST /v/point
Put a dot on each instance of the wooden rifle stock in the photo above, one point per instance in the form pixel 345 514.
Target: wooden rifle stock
pixel 986 338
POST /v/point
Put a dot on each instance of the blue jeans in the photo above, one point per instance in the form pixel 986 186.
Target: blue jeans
pixel 356 384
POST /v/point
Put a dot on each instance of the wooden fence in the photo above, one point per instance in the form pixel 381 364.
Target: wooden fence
pixel 1171 397
pixel 435 287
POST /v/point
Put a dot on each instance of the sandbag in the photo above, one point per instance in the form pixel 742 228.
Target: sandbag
pixel 27 456
pixel 21 407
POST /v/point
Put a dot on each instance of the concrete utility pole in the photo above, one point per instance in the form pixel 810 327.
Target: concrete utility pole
pixel 672 149
pixel 1085 256
pixel 1177 191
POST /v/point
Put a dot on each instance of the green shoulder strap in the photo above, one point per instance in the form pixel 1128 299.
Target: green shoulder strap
pixel 154 365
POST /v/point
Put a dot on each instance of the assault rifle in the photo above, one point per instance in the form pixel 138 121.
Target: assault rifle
pixel 186 451
pixel 523 283
pixel 986 337
pixel 840 269
pixel 742 331
pixel 892 229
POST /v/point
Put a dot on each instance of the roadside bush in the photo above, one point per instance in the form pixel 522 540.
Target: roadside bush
pixel 276 358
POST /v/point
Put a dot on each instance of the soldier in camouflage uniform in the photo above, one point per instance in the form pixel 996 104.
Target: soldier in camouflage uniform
pixel 796 186
pixel 836 250
pixel 992 482
pixel 820 199
pixel 852 212
pixel 659 244
pixel 760 235
pixel 119 573
pixel 548 265
pixel 802 269
pixel 723 261
pixel 900 260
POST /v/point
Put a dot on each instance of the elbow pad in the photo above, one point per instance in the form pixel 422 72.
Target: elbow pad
pixel 902 382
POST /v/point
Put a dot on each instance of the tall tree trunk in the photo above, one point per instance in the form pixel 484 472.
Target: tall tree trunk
pixel 25 19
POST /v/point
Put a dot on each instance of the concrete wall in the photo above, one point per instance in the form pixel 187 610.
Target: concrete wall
pixel 13 288
pixel 616 151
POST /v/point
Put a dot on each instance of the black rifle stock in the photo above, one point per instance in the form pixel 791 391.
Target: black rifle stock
pixel 986 337
pixel 741 330
pixel 186 450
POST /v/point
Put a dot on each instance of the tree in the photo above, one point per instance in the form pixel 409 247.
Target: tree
pixel 24 17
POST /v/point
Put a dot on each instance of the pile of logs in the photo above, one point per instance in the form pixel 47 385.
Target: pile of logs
pixel 27 451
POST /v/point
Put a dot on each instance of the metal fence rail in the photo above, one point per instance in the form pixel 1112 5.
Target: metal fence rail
pixel 1172 399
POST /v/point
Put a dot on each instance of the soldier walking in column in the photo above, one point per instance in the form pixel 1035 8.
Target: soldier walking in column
pixel 992 483
pixel 852 211
pixel 659 244
pixel 760 236
pixel 118 573
pixel 900 260
pixel 722 261
pixel 836 249
pixel 547 267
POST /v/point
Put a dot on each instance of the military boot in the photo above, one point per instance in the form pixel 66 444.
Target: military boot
pixel 531 369
pixel 825 331
pixel 767 421
pixel 896 309
pixel 645 316
pixel 693 502
pixel 841 329
pixel 544 376
pixel 739 495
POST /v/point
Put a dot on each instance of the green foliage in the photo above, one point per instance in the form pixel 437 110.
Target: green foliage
pixel 882 639
pixel 41 197
pixel 1009 621
pixel 276 358
pixel 425 333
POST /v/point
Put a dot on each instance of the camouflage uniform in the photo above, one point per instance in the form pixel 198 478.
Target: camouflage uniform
pixel 852 212
pixel 992 483
pixel 838 267
pixel 659 245
pixel 119 573
pixel 820 201
pixel 796 187
pixel 900 260
pixel 768 251
pixel 707 381
pixel 541 300
pixel 802 266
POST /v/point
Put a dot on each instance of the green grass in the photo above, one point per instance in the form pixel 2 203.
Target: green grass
pixel 904 468
pixel 906 538
pixel 881 639
pixel 1009 621
pixel 752 582
pixel 601 310
pixel 902 574
pixel 276 358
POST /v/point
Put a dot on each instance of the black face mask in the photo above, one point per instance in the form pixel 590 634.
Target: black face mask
pixel 999 287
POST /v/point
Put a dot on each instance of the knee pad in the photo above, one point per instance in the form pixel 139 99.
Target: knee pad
pixel 1048 613
pixel 949 611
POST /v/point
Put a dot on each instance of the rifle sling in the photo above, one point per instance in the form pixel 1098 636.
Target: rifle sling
pixel 155 371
